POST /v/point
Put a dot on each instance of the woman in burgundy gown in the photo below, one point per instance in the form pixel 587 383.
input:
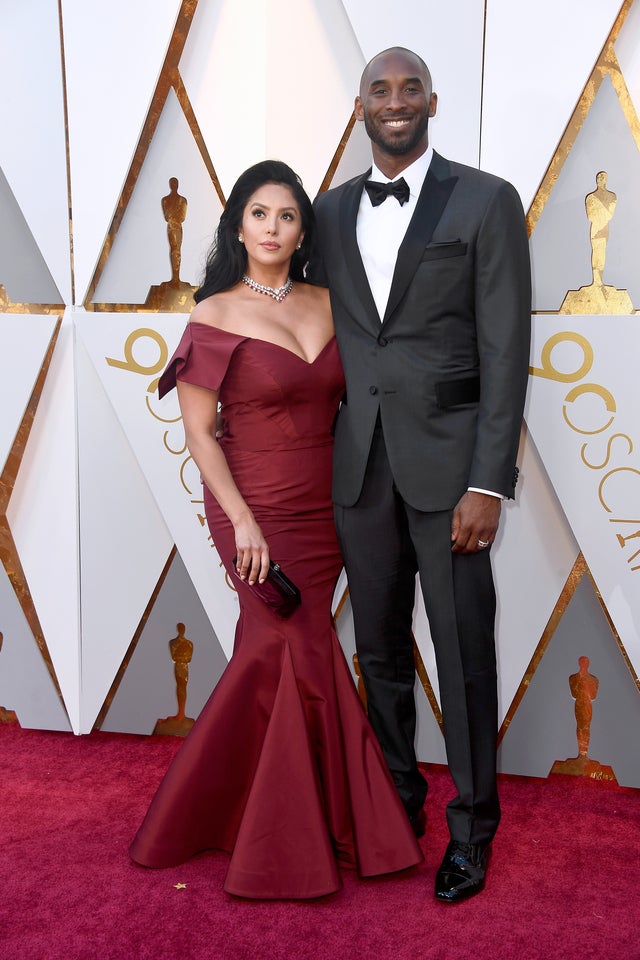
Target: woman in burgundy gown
pixel 281 769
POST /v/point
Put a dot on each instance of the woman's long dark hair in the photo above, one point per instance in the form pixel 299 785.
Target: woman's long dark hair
pixel 227 258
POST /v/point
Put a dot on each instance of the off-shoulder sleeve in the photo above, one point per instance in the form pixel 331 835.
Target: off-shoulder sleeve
pixel 202 358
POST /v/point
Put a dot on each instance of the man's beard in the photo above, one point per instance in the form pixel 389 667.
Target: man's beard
pixel 395 147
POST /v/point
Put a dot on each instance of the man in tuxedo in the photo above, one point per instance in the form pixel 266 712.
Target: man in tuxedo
pixel 428 270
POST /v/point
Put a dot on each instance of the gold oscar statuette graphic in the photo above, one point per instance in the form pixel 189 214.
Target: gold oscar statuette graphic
pixel 6 716
pixel 597 297
pixel 174 294
pixel 181 649
pixel 584 690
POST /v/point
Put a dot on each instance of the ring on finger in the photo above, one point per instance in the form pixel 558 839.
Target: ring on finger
pixel 483 543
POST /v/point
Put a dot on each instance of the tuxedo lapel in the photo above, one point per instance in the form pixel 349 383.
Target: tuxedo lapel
pixel 434 196
pixel 363 303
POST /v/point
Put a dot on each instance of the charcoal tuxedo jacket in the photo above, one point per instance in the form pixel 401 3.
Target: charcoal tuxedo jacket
pixel 447 368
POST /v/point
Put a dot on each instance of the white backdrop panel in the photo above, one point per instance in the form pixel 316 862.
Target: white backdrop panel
pixel 23 354
pixel 299 83
pixel 32 145
pixel 538 58
pixel 43 516
pixel 535 553
pixel 114 50
pixel 156 437
pixel 125 543
pixel 309 106
pixel 224 69
pixel 583 417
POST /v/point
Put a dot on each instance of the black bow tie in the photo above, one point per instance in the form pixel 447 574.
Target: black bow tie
pixel 378 192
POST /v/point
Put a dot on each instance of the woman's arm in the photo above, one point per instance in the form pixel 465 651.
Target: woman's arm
pixel 199 408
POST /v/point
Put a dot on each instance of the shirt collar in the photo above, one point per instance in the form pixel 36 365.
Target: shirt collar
pixel 414 174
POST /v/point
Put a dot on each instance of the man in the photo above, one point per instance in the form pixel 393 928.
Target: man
pixel 430 290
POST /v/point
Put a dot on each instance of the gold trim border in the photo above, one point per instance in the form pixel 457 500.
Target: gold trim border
pixel 337 157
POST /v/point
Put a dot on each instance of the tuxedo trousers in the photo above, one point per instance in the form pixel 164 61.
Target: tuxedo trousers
pixel 385 542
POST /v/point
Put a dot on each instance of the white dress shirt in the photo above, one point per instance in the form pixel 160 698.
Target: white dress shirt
pixel 380 231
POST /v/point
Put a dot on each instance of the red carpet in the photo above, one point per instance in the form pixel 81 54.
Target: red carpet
pixel 563 882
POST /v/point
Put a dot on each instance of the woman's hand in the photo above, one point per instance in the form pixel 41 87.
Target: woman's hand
pixel 252 552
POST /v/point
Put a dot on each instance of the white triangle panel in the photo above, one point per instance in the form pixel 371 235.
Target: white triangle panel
pixel 43 517
pixel 24 341
pixel 114 51
pixel 125 542
pixel 226 84
pixel 533 556
pixel 306 115
pixel 547 51
pixel 154 430
pixel 32 145
pixel 583 417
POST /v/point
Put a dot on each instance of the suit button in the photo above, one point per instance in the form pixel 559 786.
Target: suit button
pixel 373 391
pixel 383 341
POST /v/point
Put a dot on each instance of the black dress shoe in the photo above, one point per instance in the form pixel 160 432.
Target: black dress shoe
pixel 419 823
pixel 462 871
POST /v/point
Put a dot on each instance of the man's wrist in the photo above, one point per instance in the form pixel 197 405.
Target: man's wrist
pixel 490 493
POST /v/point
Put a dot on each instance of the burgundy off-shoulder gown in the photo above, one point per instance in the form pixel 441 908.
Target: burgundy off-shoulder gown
pixel 281 769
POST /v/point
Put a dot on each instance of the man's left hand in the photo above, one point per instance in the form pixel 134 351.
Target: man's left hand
pixel 475 522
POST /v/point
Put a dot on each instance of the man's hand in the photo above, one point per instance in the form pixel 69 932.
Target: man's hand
pixel 475 522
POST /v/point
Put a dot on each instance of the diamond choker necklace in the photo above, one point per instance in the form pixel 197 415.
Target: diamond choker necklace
pixel 276 293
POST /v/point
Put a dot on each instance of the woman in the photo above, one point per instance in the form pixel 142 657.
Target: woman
pixel 282 769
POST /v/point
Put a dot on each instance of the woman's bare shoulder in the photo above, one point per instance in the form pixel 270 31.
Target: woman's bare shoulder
pixel 213 311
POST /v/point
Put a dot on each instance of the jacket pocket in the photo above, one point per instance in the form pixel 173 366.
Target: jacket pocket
pixel 450 248
pixel 452 393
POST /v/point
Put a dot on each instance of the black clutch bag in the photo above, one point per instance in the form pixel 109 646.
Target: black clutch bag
pixel 278 592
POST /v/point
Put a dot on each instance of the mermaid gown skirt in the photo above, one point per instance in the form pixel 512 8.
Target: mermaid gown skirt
pixel 282 769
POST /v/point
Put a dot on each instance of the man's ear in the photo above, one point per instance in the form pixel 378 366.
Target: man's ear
pixel 433 104
pixel 358 109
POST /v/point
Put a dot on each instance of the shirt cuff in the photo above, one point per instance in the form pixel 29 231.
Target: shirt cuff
pixel 490 493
